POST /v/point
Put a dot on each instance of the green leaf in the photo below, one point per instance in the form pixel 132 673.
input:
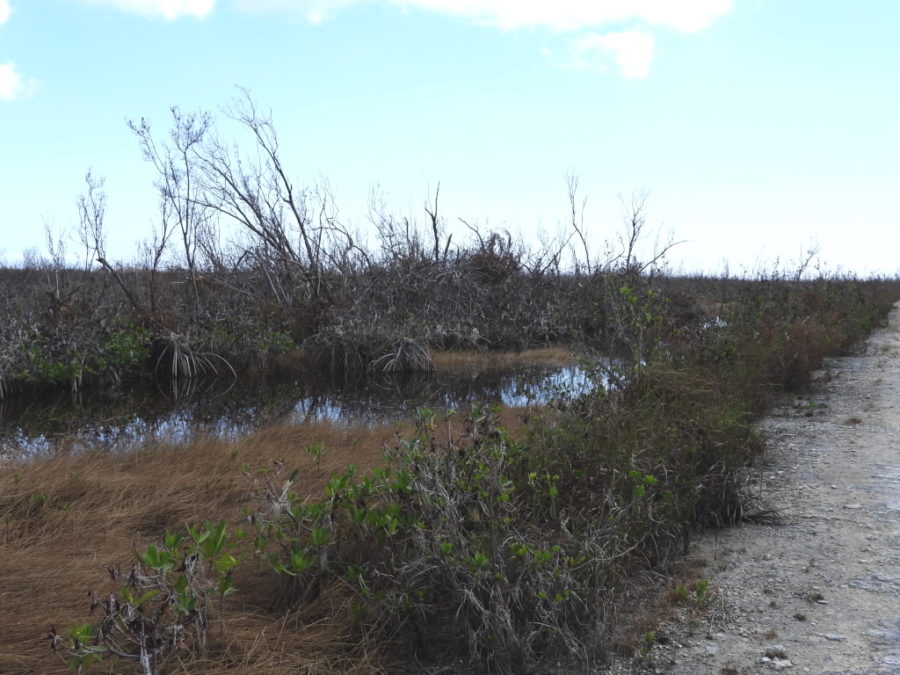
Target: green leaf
pixel 225 587
pixel 479 560
pixel 319 536
pixel 156 558
pixel 226 563
pixel 214 540
pixel 146 597
pixel 85 631
pixel 300 562
pixel 173 540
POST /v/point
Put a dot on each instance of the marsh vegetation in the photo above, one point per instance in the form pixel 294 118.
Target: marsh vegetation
pixel 499 538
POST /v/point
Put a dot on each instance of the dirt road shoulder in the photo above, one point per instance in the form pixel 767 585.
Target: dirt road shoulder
pixel 819 592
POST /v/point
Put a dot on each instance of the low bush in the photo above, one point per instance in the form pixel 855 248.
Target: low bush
pixel 163 607
pixel 461 538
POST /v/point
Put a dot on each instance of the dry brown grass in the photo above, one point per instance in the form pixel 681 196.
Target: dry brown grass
pixel 484 361
pixel 64 520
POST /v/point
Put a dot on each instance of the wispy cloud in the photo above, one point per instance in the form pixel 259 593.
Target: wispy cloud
pixel 167 9
pixel 632 51
pixel 559 15
pixel 576 15
pixel 315 11
pixel 590 47
pixel 5 11
pixel 13 85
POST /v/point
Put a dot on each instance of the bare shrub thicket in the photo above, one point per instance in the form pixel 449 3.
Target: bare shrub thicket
pixel 243 264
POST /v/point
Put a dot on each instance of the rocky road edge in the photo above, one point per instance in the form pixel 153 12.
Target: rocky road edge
pixel 819 592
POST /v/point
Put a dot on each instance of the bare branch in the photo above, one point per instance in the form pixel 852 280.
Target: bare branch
pixel 91 212
pixel 577 220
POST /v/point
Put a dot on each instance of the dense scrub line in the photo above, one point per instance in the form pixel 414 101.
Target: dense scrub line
pixel 74 329
pixel 502 542
pixel 243 265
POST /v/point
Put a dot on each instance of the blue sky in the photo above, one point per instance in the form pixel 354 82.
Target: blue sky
pixel 759 127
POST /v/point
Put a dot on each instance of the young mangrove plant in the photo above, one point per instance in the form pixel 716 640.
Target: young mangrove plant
pixel 164 605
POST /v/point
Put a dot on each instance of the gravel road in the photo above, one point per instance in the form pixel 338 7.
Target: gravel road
pixel 820 591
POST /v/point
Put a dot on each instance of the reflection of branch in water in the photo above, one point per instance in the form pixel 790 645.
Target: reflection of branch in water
pixel 212 407
pixel 180 389
pixel 405 386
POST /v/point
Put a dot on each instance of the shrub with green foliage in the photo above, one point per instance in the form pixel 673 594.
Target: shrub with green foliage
pixel 164 605
pixel 465 533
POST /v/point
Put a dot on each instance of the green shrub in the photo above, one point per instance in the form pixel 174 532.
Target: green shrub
pixel 163 607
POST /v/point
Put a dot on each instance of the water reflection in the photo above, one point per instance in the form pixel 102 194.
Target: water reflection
pixel 389 400
pixel 120 421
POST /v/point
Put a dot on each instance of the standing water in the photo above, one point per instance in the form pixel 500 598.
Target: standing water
pixel 119 421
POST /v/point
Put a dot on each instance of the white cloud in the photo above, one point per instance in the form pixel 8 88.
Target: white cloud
pixel 632 51
pixel 560 15
pixel 13 85
pixel 315 11
pixel 5 11
pixel 167 9
pixel 572 15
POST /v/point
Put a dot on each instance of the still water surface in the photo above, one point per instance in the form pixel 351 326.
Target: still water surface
pixel 125 420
